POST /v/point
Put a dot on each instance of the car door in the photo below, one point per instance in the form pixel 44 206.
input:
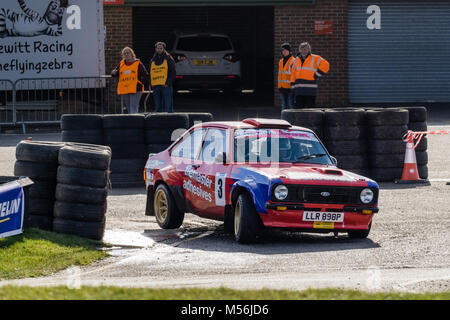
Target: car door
pixel 214 172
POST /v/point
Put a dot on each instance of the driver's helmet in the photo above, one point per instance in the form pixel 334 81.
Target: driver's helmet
pixel 285 149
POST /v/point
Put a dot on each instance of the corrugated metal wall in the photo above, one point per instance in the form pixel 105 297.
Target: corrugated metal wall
pixel 407 59
pixel 251 29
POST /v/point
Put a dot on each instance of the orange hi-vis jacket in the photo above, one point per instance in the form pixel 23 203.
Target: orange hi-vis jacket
pixel 304 75
pixel 284 73
pixel 128 78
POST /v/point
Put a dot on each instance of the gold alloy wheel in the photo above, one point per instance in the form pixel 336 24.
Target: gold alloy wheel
pixel 237 217
pixel 161 206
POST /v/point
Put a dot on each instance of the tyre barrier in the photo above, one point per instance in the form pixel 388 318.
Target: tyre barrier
pixel 367 141
pixel 345 138
pixel 131 138
pixel 124 134
pixel 308 118
pixel 82 190
pixel 82 128
pixel 38 160
pixel 70 180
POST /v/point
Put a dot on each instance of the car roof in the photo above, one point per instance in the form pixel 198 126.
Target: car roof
pixel 245 124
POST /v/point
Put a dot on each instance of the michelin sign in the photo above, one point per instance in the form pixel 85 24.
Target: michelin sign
pixel 11 209
pixel 51 39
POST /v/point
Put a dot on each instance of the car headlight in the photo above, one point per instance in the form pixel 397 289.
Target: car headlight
pixel 366 196
pixel 281 192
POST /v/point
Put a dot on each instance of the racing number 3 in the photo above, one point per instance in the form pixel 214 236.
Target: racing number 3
pixel 220 189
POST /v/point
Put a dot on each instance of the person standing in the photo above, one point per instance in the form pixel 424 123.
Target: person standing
pixel 132 79
pixel 308 68
pixel 162 76
pixel 285 67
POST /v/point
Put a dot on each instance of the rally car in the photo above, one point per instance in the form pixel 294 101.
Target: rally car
pixel 254 174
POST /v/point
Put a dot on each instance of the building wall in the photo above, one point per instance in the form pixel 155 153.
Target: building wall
pixel 295 24
pixel 119 33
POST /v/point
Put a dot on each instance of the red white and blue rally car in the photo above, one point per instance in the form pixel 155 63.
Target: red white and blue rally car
pixel 257 173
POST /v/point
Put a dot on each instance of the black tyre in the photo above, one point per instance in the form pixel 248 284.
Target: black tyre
pixel 166 212
pixel 127 165
pixel 386 174
pixel 417 126
pixel 81 122
pixel 197 117
pixel 359 234
pixel 343 133
pixel 36 170
pixel 423 144
pixel 79 211
pixel 123 136
pixel 83 136
pixel 85 229
pixel 348 162
pixel 417 114
pixel 344 117
pixel 39 222
pixel 387 132
pixel 38 151
pixel 247 224
pixel 129 151
pixel 388 117
pixel 123 121
pixel 304 117
pixel 127 180
pixel 395 160
pixel 42 189
pixel 351 147
pixel 82 177
pixel 157 147
pixel 40 207
pixel 166 120
pixel 80 194
pixel 386 146
pixel 159 136
pixel 423 171
pixel 85 157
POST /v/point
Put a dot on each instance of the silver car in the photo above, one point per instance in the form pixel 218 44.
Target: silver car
pixel 206 61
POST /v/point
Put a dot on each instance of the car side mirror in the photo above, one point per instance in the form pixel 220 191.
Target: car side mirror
pixel 334 160
pixel 221 158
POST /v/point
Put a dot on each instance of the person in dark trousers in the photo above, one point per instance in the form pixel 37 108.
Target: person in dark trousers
pixel 308 69
pixel 132 78
pixel 285 67
pixel 162 76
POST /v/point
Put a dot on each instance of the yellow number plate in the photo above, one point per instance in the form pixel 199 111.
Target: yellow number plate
pixel 205 62
pixel 323 225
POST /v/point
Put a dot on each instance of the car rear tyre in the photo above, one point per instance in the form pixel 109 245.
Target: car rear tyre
pixel 166 212
pixel 247 224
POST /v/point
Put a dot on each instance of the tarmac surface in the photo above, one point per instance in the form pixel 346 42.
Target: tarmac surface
pixel 407 249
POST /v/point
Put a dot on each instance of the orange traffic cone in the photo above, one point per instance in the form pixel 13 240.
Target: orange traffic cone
pixel 410 172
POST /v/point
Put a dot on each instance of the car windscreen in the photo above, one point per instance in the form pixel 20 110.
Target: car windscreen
pixel 203 44
pixel 278 145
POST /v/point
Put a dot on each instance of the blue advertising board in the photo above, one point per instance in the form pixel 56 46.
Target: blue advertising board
pixel 11 209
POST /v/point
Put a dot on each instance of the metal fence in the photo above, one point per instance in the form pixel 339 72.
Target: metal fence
pixel 45 100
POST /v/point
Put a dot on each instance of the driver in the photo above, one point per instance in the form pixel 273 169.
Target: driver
pixel 285 150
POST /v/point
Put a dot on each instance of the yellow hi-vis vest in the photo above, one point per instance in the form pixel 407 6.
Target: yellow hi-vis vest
pixel 158 74
pixel 128 78
pixel 284 73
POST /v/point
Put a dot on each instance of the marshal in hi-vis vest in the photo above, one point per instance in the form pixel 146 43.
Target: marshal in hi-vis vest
pixel 158 74
pixel 305 75
pixel 284 73
pixel 128 78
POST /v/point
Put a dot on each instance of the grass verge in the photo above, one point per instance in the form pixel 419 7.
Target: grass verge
pixel 118 293
pixel 38 253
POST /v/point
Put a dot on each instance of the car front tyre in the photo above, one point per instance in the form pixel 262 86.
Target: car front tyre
pixel 166 212
pixel 359 234
pixel 247 224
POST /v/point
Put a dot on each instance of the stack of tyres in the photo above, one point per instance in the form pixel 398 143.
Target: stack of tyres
pixel 38 160
pixel 418 122
pixel 82 128
pixel 308 118
pixel 199 117
pixel 82 190
pixel 124 134
pixel 162 129
pixel 345 138
pixel 386 147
